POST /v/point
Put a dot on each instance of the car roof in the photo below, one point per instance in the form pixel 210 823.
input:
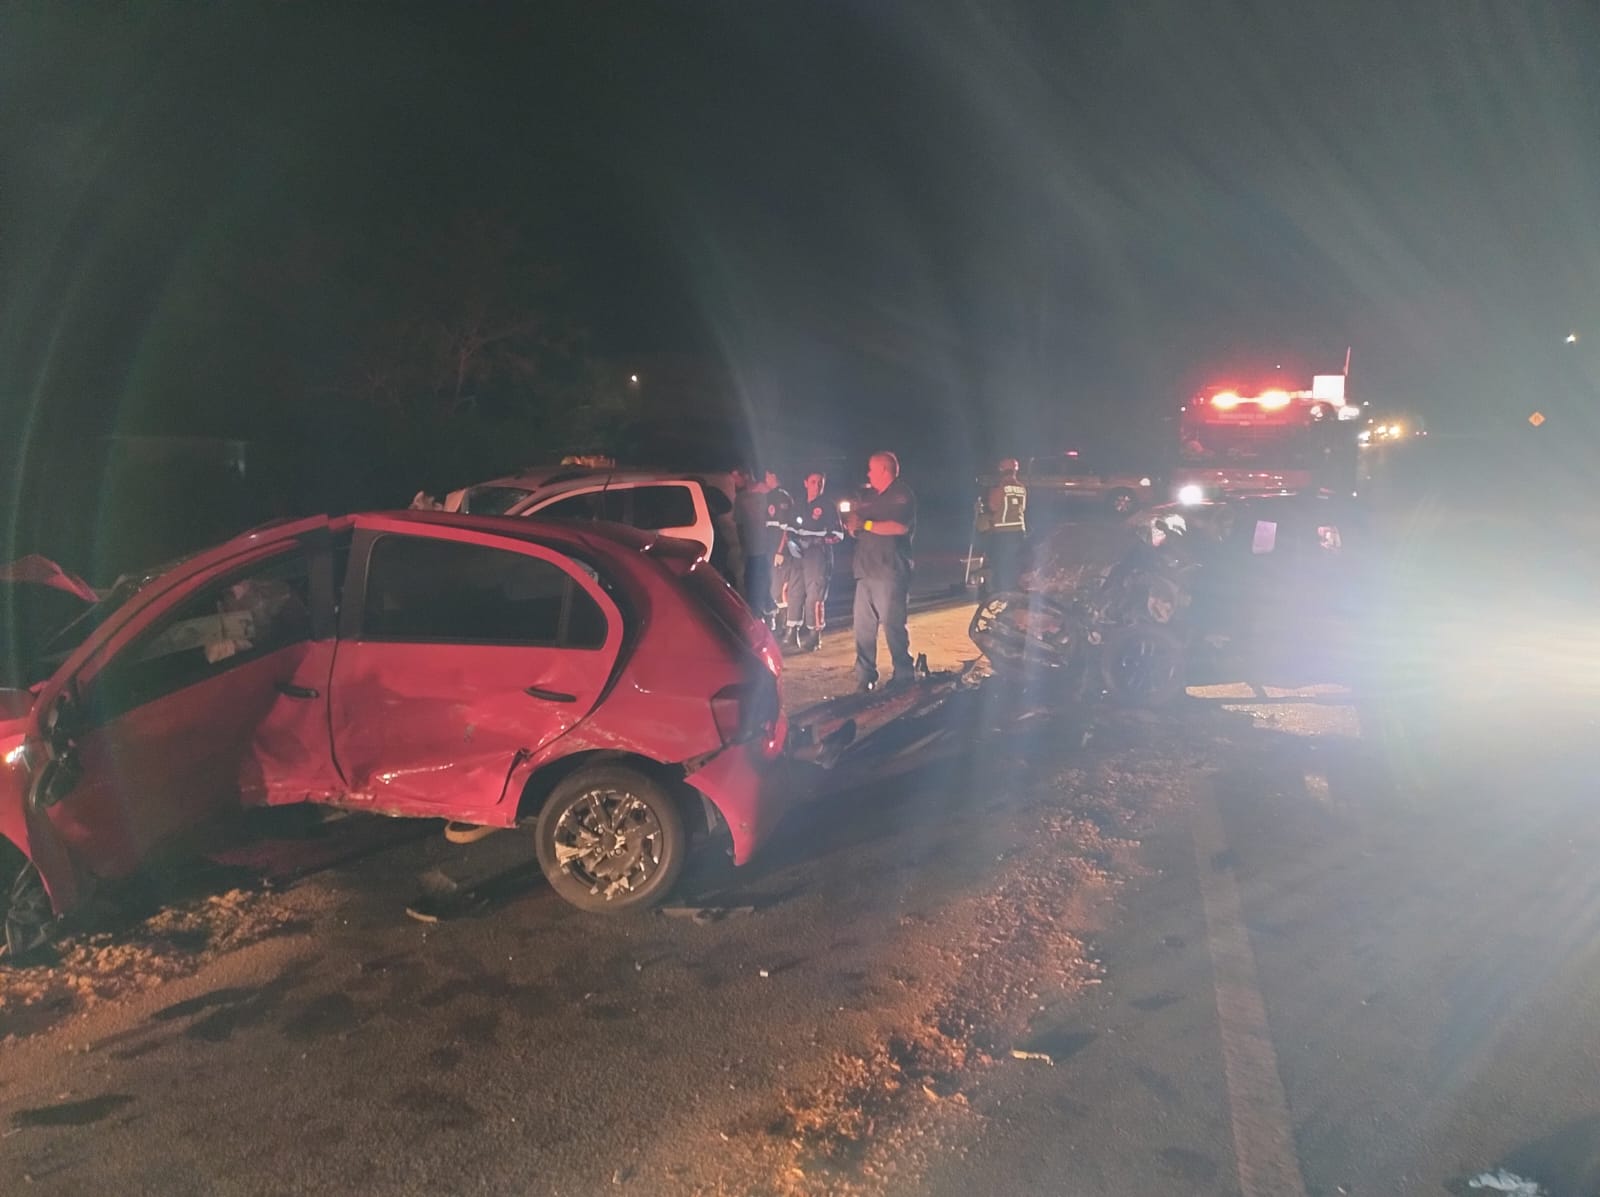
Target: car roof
pixel 561 478
pixel 560 534
pixel 565 536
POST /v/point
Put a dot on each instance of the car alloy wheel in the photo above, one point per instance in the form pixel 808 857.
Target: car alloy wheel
pixel 611 838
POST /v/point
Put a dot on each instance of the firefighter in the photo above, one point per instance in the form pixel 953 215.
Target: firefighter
pixel 1003 524
pixel 815 528
pixel 781 550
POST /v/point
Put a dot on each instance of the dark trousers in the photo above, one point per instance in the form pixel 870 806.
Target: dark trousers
pixel 882 601
pixel 1004 556
pixel 785 591
pixel 758 582
pixel 811 590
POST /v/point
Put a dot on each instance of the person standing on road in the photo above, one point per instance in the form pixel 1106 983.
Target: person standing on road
pixel 783 554
pixel 1003 524
pixel 815 529
pixel 884 522
pixel 750 513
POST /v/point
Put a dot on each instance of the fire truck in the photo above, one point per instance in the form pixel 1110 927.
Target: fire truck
pixel 1237 441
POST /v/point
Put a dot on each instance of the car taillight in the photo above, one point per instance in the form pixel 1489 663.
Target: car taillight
pixel 727 709
pixel 749 711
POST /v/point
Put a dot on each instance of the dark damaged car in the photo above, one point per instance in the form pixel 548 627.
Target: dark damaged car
pixel 600 686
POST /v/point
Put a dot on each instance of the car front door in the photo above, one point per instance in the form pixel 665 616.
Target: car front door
pixel 460 655
pixel 211 693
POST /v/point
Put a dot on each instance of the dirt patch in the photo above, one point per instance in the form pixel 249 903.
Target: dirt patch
pixel 870 1120
pixel 89 968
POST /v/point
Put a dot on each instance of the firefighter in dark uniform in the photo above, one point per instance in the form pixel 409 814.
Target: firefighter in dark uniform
pixel 815 529
pixel 1003 523
pixel 781 550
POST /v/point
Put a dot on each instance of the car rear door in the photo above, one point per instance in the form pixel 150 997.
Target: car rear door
pixel 460 654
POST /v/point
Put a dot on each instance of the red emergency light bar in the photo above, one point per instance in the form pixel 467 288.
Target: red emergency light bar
pixel 1327 389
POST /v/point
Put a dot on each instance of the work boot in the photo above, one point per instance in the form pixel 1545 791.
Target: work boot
pixel 811 641
pixel 791 637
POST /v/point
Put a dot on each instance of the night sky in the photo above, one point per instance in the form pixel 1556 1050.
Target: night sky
pixel 951 227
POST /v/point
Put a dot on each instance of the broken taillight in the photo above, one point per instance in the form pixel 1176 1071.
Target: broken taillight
pixel 749 711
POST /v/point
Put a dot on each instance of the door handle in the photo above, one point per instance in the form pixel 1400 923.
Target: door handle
pixel 549 695
pixel 290 690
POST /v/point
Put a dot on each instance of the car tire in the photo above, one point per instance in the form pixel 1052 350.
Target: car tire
pixel 611 839
pixel 1143 665
pixel 1122 501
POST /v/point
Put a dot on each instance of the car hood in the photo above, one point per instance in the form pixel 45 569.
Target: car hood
pixel 38 601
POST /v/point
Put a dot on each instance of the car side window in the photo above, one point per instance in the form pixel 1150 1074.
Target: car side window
pixel 665 506
pixel 227 623
pixel 574 507
pixel 444 591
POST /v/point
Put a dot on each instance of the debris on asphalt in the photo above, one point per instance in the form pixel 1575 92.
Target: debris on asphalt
pixel 436 883
pixel 703 914
pixel 1018 1054
pixel 87 969
pixel 467 833
pixel 1502 1181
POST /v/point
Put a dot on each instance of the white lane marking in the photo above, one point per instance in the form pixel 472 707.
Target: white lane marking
pixel 1263 1136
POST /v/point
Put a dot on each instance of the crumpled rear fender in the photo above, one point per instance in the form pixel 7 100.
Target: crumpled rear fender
pixel 739 782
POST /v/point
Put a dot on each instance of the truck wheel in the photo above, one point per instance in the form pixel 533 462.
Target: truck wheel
pixel 611 839
pixel 1122 501
pixel 1142 665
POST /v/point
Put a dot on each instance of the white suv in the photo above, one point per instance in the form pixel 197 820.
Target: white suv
pixel 689 507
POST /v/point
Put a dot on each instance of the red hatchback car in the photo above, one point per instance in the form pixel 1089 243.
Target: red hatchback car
pixel 586 680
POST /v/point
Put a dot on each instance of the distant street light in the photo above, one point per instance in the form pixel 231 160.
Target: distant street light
pixel 633 378
pixel 1572 338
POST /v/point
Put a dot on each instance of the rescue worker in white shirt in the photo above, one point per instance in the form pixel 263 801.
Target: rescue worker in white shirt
pixel 781 549
pixel 814 528
pixel 1003 523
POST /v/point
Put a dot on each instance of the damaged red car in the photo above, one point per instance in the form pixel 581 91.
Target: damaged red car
pixel 600 686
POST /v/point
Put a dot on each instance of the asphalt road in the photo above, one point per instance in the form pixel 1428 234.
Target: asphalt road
pixel 1334 938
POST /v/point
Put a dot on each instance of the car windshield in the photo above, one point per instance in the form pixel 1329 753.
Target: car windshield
pixel 61 645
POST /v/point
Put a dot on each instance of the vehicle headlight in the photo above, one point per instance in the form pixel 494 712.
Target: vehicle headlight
pixel 1144 482
pixel 1191 495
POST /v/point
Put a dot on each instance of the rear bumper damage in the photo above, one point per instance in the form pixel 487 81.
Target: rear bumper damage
pixel 739 782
